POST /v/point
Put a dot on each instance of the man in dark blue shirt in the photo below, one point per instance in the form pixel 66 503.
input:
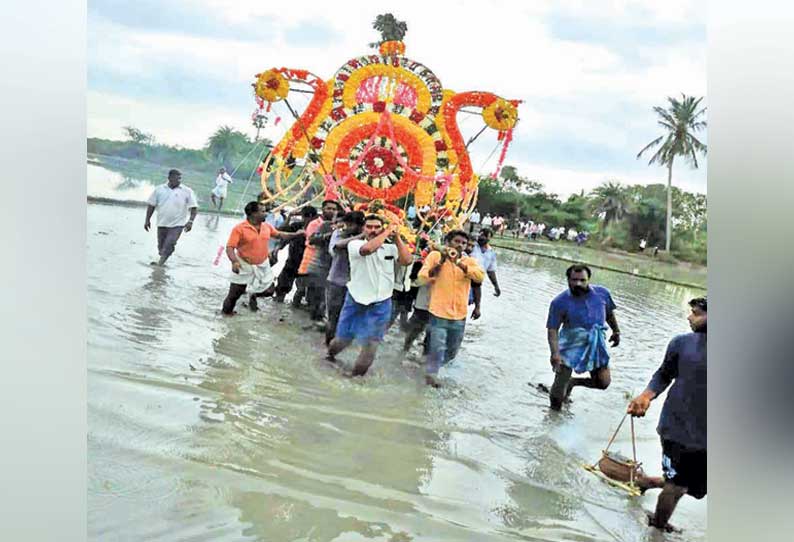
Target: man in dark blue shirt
pixel 583 312
pixel 682 425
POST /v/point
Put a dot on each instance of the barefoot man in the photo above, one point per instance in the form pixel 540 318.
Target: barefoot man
pixel 172 200
pixel 367 308
pixel 682 425
pixel 248 250
pixel 222 182
pixel 583 311
pixel 450 273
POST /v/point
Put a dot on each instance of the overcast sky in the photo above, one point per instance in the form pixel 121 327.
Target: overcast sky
pixel 589 71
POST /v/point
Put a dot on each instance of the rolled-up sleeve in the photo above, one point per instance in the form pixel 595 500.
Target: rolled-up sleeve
pixel 430 262
pixel 555 315
pixel 474 271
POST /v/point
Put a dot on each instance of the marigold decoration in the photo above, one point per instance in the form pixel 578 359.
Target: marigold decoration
pixel 271 86
pixel 393 47
pixel 500 115
pixel 381 129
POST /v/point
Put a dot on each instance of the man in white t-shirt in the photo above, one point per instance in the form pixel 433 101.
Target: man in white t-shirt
pixel 487 221
pixel 474 220
pixel 366 312
pixel 172 200
pixel 222 182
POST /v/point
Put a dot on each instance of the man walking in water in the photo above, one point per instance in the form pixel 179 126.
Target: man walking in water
pixel 248 250
pixel 172 200
pixel 682 425
pixel 339 274
pixel 582 310
pixel 367 308
pixel 222 182
pixel 486 257
pixel 450 274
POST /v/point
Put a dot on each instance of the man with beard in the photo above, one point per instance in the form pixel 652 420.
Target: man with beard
pixel 486 257
pixel 348 229
pixel 316 258
pixel 367 308
pixel 582 310
pixel 298 221
pixel 682 425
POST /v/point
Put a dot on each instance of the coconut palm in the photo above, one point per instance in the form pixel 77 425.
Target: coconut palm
pixel 680 121
pixel 227 143
pixel 610 199
pixel 390 29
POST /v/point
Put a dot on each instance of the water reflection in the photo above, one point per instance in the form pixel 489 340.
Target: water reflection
pixel 105 183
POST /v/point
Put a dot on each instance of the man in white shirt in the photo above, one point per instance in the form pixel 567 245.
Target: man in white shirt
pixel 487 221
pixel 486 257
pixel 172 200
pixel 366 312
pixel 222 182
pixel 474 220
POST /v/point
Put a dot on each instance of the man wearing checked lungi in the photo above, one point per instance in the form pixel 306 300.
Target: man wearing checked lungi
pixel 583 311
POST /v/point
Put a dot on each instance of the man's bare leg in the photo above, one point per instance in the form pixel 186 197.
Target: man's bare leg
pixel 600 379
pixel 336 346
pixel 665 505
pixel 365 359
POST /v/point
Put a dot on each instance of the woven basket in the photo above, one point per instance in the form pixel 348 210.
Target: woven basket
pixel 619 468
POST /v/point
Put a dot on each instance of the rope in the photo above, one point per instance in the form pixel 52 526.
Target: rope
pixel 618 429
pixel 256 144
pixel 482 167
pixel 250 177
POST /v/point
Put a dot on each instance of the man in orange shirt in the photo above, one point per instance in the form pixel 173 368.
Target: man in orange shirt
pixel 248 250
pixel 450 273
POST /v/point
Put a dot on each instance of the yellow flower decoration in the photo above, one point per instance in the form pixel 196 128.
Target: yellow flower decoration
pixel 500 115
pixel 271 86
pixel 390 72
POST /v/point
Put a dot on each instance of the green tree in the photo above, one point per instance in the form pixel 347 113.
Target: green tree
pixel 137 136
pixel 390 29
pixel 226 145
pixel 610 199
pixel 681 120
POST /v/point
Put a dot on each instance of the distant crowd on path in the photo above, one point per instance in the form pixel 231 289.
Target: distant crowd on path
pixel 525 228
pixel 357 277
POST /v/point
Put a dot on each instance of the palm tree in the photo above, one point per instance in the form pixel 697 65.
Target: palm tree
pixel 611 200
pixel 390 29
pixel 680 121
pixel 226 143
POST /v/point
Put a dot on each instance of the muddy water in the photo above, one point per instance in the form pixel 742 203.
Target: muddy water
pixel 204 428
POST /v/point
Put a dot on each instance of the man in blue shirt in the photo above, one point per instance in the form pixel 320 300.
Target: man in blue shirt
pixel 682 425
pixel 582 310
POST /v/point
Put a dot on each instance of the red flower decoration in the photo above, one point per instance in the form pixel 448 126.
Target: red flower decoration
pixel 380 161
pixel 379 107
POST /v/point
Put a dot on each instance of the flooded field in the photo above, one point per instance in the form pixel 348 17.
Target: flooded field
pixel 216 429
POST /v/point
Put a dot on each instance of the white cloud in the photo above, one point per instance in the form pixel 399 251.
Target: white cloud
pixel 497 46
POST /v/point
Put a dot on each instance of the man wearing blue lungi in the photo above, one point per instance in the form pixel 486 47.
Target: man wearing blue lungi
pixel 584 311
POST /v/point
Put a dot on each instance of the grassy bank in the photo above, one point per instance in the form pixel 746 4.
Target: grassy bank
pixel 201 182
pixel 682 273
